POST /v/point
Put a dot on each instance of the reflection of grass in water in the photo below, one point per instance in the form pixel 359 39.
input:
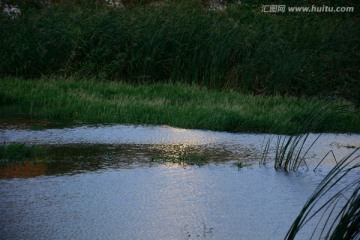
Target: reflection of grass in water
pixel 337 200
pixel 182 159
pixel 20 152
pixel 37 127
pixel 14 152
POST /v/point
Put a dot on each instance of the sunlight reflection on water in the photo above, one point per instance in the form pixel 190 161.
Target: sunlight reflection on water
pixel 101 184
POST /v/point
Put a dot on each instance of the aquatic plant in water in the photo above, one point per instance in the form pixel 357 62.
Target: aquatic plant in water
pixel 290 151
pixel 239 165
pixel 334 205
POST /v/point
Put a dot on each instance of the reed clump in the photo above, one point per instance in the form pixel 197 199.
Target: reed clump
pixel 291 150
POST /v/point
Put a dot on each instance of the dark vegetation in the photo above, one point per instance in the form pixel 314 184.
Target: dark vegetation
pixel 334 208
pixel 240 48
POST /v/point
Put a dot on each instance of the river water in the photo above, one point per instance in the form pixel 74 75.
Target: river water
pixel 102 184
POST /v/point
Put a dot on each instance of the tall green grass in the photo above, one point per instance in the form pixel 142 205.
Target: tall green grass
pixel 91 101
pixel 240 48
pixel 334 205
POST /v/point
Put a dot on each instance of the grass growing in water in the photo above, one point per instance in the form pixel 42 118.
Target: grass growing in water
pixel 239 165
pixel 20 152
pixel 291 151
pixel 90 101
pixel 337 199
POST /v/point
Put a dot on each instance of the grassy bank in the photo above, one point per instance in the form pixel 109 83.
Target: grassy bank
pixel 181 41
pixel 92 101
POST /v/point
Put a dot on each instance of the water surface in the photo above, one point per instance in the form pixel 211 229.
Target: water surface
pixel 101 183
pixel 161 202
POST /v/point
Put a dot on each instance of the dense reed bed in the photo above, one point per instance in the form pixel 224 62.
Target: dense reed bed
pixel 240 48
pixel 85 101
